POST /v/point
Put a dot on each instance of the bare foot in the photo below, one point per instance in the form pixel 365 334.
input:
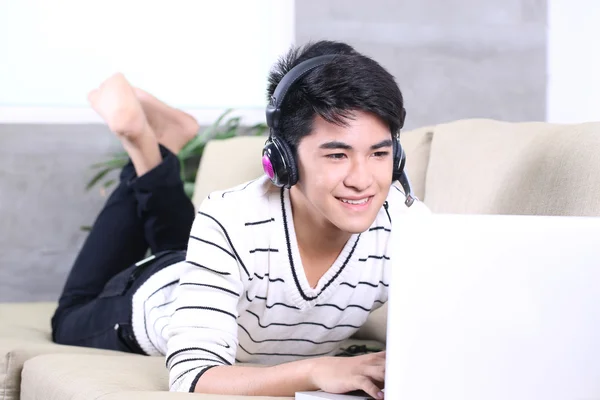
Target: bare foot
pixel 173 128
pixel 115 101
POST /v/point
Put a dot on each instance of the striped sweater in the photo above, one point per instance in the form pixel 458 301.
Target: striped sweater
pixel 242 294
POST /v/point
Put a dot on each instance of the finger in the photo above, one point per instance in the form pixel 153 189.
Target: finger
pixel 367 386
pixel 380 356
pixel 377 361
pixel 375 372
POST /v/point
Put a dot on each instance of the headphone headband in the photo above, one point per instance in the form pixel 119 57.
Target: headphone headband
pixel 273 112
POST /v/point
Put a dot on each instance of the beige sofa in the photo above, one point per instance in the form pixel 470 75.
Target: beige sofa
pixel 470 166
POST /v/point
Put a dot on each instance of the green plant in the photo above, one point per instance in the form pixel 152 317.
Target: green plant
pixel 189 157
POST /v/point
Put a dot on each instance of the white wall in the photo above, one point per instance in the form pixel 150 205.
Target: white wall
pixel 198 55
pixel 573 91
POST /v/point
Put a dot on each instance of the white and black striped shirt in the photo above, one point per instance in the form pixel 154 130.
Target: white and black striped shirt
pixel 242 294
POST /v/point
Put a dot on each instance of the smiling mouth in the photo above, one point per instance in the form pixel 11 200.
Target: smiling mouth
pixel 355 202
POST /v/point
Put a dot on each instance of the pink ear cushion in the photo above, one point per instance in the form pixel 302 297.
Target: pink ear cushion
pixel 268 167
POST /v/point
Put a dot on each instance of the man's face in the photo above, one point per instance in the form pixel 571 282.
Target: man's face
pixel 345 173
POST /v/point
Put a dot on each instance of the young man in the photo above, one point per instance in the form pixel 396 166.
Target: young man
pixel 277 275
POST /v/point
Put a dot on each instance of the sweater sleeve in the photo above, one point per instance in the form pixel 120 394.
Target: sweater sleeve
pixel 203 330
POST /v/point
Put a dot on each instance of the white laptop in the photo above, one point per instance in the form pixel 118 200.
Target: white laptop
pixel 494 308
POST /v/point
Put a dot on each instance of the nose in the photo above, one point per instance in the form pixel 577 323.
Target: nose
pixel 359 176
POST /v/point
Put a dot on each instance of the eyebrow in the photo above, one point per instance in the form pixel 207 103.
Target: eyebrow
pixel 383 143
pixel 333 145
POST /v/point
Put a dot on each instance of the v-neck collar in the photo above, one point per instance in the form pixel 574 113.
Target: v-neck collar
pixel 304 296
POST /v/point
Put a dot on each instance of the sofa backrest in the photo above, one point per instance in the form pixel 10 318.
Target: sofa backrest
pixel 227 163
pixel 534 168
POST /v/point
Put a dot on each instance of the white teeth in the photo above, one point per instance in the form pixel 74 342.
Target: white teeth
pixel 363 201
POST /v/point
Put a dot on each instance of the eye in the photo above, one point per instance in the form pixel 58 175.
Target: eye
pixel 336 156
pixel 381 154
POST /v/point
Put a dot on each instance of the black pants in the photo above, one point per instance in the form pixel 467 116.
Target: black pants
pixel 147 212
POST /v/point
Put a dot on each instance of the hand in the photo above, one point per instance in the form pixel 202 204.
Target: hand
pixel 346 374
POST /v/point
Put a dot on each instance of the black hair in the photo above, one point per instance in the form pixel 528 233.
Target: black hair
pixel 350 82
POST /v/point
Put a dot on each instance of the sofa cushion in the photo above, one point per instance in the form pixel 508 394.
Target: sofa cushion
pixel 57 371
pixel 24 334
pixel 94 376
pixel 533 168
pixel 375 328
pixel 77 376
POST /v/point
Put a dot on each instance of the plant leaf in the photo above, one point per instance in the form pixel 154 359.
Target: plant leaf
pixel 233 122
pixel 181 169
pixel 118 161
pixel 226 134
pixel 209 131
pixel 109 183
pixel 259 129
pixel 191 148
pixel 188 188
pixel 97 178
pixel 196 145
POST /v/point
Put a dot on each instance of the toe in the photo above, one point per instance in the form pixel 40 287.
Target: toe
pixel 92 95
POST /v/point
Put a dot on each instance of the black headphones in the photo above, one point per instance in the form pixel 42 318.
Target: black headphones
pixel 278 159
